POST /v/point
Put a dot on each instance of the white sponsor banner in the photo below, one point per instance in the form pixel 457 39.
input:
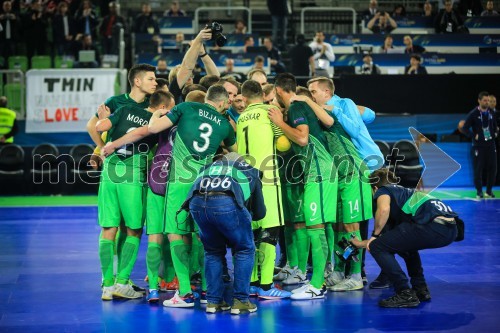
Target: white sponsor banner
pixel 63 100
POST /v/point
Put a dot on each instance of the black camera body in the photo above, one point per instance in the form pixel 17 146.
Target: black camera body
pixel 350 252
pixel 217 36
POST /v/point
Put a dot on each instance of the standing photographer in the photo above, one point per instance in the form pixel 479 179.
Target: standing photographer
pixel 422 222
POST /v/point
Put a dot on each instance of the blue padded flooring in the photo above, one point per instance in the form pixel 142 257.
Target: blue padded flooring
pixel 50 282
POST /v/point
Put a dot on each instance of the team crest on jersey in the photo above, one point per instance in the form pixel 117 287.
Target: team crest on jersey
pixel 298 120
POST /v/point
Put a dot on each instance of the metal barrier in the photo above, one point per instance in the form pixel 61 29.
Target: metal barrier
pixel 326 9
pixel 13 86
pixel 218 9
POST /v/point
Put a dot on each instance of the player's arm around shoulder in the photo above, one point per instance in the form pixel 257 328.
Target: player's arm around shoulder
pixel 299 134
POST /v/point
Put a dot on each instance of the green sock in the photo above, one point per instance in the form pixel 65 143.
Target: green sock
pixel 291 248
pixel 168 265
pixel 330 239
pixel 255 270
pixel 303 246
pixel 356 266
pixel 180 258
pixel 319 249
pixel 339 264
pixel 153 259
pixel 267 266
pixel 196 247
pixel 129 257
pixel 106 254
pixel 120 239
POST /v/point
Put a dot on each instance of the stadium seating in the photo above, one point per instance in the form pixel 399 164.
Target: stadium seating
pixel 14 95
pixel 410 168
pixel 18 62
pixel 63 62
pixel 41 62
pixel 44 173
pixel 11 168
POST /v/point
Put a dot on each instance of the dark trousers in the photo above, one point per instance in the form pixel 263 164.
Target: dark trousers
pixel 406 239
pixel 484 159
pixel 222 223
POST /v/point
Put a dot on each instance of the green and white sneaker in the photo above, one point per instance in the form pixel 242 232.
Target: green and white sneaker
pixel 126 291
pixel 296 277
pixel 240 307
pixel 348 284
pixel 333 279
pixel 107 293
pixel 284 273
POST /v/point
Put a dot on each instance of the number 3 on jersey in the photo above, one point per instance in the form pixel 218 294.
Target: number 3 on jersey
pixel 205 132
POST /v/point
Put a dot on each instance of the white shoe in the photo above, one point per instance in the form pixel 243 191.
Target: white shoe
pixel 126 291
pixel 328 269
pixel 180 302
pixel 297 277
pixel 348 285
pixel 307 292
pixel 284 273
pixel 107 293
pixel 333 279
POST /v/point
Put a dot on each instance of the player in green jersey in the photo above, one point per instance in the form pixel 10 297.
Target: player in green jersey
pixel 256 136
pixel 320 187
pixel 121 194
pixel 200 130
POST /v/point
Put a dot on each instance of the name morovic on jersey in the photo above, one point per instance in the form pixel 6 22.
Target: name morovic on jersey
pixel 137 120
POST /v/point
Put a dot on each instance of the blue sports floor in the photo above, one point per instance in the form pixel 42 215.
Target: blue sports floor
pixel 50 282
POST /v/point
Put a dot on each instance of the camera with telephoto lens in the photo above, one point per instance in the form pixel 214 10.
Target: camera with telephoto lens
pixel 217 36
pixel 349 252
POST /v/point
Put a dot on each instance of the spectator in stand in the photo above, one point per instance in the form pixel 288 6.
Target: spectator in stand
pixel 180 42
pixel 489 10
pixel 161 68
pixel 399 11
pixel 240 77
pixel 240 27
pixel 449 20
pixel 470 7
pixel 428 10
pixel 415 67
pixel 109 28
pixel 85 43
pixel 371 11
pixel 258 75
pixel 323 55
pixel 411 48
pixel 275 55
pixel 175 10
pixel 279 17
pixel 9 36
pixel 382 23
pixel 86 19
pixel 145 22
pixel 302 58
pixel 368 67
pixel 258 63
pixel 249 42
pixel 64 30
pixel 388 44
pixel 35 30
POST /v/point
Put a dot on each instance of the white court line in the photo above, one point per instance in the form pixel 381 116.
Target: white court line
pixel 459 196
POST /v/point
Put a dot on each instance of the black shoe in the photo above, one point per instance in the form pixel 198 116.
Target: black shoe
pixel 423 293
pixel 381 282
pixel 489 195
pixel 406 298
pixel 480 195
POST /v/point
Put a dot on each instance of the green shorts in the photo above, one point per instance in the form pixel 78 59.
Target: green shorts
pixel 320 202
pixel 155 213
pixel 293 199
pixel 117 200
pixel 182 223
pixel 354 201
pixel 274 207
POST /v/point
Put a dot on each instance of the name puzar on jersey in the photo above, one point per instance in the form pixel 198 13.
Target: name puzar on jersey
pixel 208 115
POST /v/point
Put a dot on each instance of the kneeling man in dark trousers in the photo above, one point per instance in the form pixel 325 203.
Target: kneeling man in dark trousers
pixel 422 222
pixel 225 198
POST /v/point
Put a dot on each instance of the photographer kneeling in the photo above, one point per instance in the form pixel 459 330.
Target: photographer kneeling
pixel 422 222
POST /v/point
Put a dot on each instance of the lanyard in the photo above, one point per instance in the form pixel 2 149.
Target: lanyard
pixel 487 118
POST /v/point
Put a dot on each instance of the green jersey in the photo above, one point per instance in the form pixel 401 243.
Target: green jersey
pixel 256 137
pixel 316 160
pixel 200 131
pixel 345 155
pixel 116 102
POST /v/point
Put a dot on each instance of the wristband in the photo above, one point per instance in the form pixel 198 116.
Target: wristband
pixel 203 55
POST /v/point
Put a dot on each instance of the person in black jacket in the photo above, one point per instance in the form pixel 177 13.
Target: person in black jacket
pixel 64 30
pixel 415 67
pixel 225 198
pixel 35 30
pixel 145 22
pixel 109 28
pixel 481 120
pixel 9 35
pixel 449 20
pixel 302 58
pixel 279 18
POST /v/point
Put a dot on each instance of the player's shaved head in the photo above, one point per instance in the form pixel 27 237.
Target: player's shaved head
pixel 159 98
pixel 286 82
pixel 197 96
pixel 217 94
pixel 252 90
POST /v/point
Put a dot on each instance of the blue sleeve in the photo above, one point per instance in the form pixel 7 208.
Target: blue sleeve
pixel 348 116
pixel 258 207
pixel 368 116
pixel 381 191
